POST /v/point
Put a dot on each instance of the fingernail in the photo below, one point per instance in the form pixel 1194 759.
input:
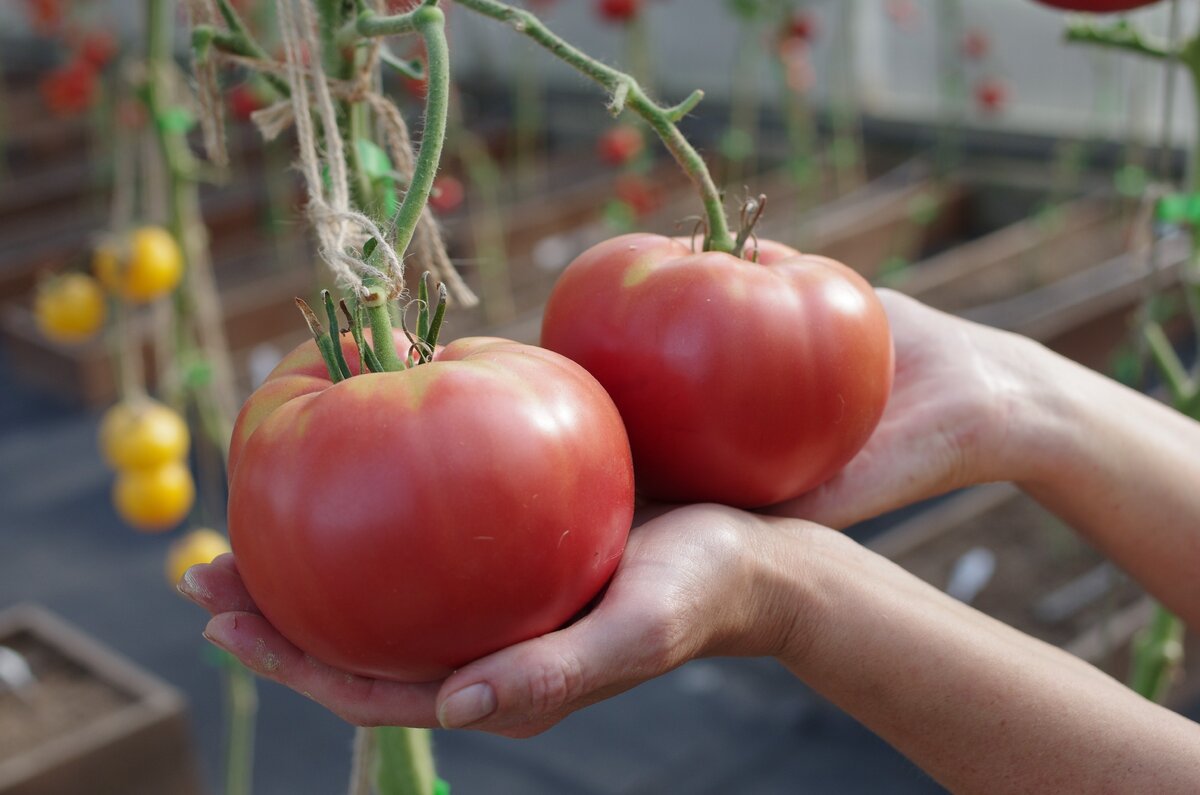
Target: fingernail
pixel 214 641
pixel 464 707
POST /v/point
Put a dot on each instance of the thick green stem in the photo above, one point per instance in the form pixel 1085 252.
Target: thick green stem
pixel 1121 36
pixel 376 303
pixel 626 92
pixel 241 698
pixel 239 41
pixel 430 22
pixel 403 761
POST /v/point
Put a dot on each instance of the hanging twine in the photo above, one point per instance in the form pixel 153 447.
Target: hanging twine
pixel 208 93
pixel 341 231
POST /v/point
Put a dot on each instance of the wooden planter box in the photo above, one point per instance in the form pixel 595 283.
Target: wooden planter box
pixel 1047 583
pixel 94 722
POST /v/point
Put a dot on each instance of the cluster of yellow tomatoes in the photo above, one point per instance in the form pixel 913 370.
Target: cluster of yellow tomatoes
pixel 139 267
pixel 145 442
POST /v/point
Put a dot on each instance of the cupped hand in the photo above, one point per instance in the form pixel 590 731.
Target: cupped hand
pixel 689 585
pixel 954 417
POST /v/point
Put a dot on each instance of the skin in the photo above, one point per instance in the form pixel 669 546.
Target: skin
pixel 980 706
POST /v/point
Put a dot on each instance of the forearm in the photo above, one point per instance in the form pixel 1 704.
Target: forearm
pixel 1124 470
pixel 978 705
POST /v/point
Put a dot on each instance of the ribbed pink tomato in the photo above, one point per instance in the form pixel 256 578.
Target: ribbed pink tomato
pixel 401 524
pixel 740 382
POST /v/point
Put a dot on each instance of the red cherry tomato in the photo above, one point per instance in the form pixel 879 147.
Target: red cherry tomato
pixel 243 101
pixel 447 194
pixel 801 26
pixel 642 195
pixel 620 144
pixel 70 89
pixel 400 525
pixel 46 16
pixel 98 48
pixel 992 95
pixel 1097 6
pixel 739 382
pixel 618 10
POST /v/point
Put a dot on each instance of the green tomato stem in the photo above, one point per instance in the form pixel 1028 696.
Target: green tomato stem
pixel 626 92
pixel 430 22
pixel 239 41
pixel 376 303
pixel 403 761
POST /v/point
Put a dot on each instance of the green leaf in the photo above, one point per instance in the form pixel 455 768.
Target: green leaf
pixel 369 247
pixel 176 120
pixel 197 373
pixel 1179 208
pixel 378 168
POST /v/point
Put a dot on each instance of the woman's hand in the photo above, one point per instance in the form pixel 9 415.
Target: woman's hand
pixel 962 406
pixel 694 581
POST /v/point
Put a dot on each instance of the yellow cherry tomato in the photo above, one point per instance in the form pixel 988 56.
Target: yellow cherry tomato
pixel 69 308
pixel 142 434
pixel 154 499
pixel 198 546
pixel 144 266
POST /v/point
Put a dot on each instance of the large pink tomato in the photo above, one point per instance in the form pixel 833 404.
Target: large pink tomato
pixel 1097 6
pixel 739 382
pixel 401 524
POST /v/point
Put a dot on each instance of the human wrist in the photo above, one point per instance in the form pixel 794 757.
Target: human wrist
pixel 1029 416
pixel 794 561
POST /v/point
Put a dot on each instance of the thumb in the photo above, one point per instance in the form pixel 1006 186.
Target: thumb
pixel 527 688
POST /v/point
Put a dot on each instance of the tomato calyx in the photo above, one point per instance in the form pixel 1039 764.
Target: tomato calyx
pixel 366 312
pixel 752 211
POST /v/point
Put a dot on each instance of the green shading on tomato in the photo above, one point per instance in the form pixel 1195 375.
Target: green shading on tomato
pixel 402 524
pixel 739 382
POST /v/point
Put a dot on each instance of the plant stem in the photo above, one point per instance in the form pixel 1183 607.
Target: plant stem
pixel 403 761
pixel 376 303
pixel 430 22
pixel 626 92
pixel 197 298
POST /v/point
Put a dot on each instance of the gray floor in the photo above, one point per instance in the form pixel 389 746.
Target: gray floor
pixel 722 726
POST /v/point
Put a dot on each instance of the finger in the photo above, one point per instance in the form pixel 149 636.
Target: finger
pixel 360 700
pixel 217 587
pixel 527 688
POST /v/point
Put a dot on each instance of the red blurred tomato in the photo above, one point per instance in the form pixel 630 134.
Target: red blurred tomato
pixel 447 194
pixel 618 10
pixel 618 145
pixel 244 101
pixel 991 95
pixel 70 89
pixel 641 194
pixel 98 48
pixel 1097 6
pixel 401 524
pixel 739 382
pixel 46 16
pixel 801 26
